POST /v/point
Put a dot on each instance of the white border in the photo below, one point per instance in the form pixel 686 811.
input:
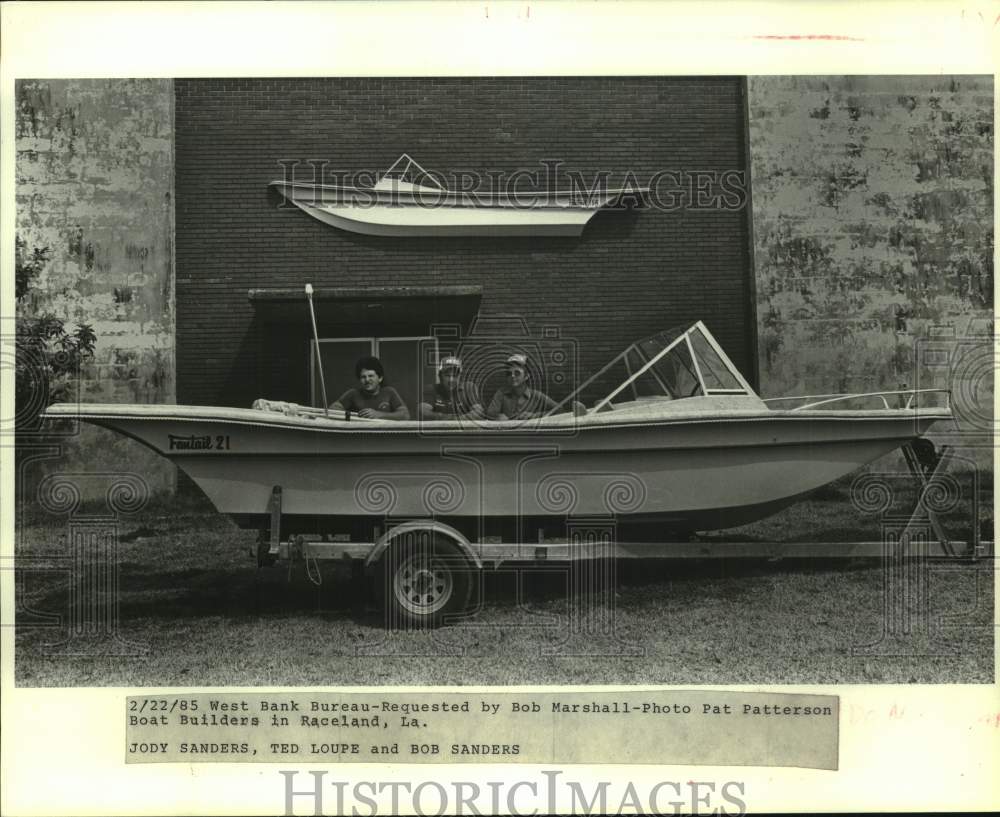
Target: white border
pixel 62 749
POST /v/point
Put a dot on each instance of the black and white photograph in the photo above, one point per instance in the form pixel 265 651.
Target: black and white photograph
pixel 705 350
pixel 401 381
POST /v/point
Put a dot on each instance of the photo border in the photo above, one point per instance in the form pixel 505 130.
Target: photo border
pixel 63 749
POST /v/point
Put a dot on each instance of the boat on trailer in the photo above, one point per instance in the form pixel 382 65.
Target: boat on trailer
pixel 680 443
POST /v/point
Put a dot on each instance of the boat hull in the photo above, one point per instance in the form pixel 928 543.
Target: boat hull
pixel 691 489
pixel 445 213
pixel 413 221
pixel 684 472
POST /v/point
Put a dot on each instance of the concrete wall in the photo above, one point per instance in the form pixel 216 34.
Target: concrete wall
pixel 95 185
pixel 873 222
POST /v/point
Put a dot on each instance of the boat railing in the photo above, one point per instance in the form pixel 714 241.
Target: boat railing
pixel 826 400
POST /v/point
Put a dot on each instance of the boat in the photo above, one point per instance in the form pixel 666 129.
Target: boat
pixel 681 442
pixel 409 201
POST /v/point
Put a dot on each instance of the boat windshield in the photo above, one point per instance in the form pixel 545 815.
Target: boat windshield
pixel 675 364
pixel 407 176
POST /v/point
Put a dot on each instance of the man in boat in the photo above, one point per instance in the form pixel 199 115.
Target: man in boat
pixel 370 398
pixel 518 400
pixel 451 398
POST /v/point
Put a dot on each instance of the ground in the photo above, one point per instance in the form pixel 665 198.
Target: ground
pixel 193 610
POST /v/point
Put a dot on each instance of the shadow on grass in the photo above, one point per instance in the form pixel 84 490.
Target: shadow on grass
pixel 200 593
pixel 679 581
pixel 193 593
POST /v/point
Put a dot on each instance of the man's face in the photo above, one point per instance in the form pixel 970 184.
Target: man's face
pixel 449 378
pixel 370 381
pixel 515 375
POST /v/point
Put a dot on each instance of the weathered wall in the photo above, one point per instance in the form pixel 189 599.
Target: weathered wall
pixel 95 185
pixel 873 222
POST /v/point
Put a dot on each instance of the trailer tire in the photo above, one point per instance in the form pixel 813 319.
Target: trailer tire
pixel 424 581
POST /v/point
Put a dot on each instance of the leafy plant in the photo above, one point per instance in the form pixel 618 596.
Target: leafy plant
pixel 49 355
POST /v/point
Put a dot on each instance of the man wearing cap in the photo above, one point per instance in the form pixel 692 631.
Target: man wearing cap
pixel 517 400
pixel 450 398
pixel 370 398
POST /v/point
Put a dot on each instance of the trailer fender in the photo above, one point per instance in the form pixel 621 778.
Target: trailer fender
pixel 432 525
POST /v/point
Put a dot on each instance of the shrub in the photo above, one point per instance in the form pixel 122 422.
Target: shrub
pixel 49 355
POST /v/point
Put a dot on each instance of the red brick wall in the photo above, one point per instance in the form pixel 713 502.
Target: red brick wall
pixel 630 273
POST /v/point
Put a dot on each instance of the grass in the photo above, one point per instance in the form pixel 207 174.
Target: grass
pixel 194 611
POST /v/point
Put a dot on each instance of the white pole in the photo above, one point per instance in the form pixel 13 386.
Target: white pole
pixel 319 358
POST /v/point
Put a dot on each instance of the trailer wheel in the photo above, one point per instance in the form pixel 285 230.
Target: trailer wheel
pixel 424 580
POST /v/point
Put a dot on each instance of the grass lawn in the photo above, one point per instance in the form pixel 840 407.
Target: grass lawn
pixel 194 610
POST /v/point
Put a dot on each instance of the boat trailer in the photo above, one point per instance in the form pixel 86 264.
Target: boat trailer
pixel 423 568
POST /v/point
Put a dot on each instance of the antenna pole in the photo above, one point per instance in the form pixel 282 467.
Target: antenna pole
pixel 319 357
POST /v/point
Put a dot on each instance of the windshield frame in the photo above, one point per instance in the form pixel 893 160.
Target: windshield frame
pixel 650 367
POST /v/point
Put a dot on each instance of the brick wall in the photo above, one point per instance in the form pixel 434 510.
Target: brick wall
pixel 629 275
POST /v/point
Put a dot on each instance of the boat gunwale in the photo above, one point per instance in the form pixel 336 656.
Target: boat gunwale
pixel 413 197
pixel 563 424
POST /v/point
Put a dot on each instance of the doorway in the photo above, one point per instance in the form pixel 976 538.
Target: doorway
pixel 410 364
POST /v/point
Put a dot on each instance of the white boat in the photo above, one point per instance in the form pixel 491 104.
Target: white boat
pixel 395 206
pixel 681 443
